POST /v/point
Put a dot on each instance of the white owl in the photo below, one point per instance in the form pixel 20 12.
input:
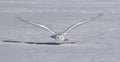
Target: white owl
pixel 60 36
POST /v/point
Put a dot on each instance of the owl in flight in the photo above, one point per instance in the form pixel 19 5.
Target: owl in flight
pixel 60 36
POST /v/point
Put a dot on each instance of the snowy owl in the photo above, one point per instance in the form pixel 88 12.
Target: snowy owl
pixel 60 36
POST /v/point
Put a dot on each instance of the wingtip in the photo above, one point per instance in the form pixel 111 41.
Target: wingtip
pixel 19 18
pixel 100 14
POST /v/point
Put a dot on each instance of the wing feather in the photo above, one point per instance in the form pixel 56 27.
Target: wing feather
pixel 37 25
pixel 80 23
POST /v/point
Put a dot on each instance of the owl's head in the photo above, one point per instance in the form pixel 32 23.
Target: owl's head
pixel 59 37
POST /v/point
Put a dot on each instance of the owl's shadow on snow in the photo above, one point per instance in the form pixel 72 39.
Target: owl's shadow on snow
pixel 37 43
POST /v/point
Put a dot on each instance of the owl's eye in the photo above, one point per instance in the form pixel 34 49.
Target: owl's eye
pixel 58 37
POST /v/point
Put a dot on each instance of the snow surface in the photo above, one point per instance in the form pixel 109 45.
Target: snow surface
pixel 98 40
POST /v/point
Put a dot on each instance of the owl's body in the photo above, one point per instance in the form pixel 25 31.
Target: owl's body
pixel 59 37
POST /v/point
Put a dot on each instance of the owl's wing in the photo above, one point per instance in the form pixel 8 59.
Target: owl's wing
pixel 37 25
pixel 80 23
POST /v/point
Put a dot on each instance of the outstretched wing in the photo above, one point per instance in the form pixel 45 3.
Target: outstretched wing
pixel 37 25
pixel 81 22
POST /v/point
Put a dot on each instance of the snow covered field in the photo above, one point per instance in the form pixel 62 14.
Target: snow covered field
pixel 98 40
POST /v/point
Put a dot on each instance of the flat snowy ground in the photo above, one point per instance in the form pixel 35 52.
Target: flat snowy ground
pixel 98 40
